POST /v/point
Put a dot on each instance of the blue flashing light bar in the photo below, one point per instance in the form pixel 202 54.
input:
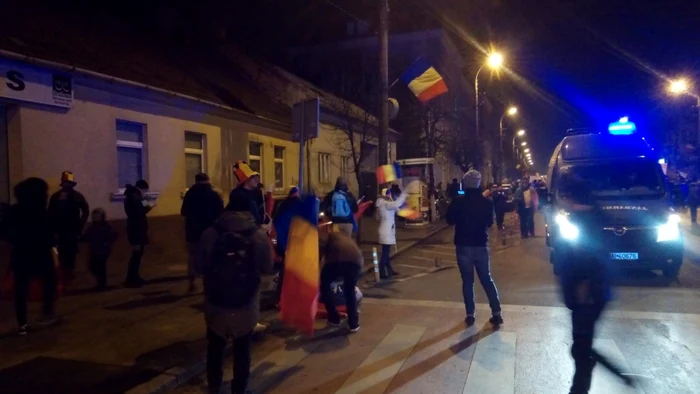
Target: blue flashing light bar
pixel 622 127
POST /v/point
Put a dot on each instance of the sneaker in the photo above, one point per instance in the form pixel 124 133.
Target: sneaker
pixel 23 330
pixel 259 327
pixel 470 320
pixel 354 329
pixel 496 320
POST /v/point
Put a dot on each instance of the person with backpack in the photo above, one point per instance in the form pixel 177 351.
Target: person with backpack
pixel 387 208
pixel 234 253
pixel 341 206
pixel 69 213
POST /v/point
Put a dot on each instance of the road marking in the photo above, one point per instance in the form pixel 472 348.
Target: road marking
pixel 603 380
pixel 411 266
pixel 433 259
pixel 493 367
pixel 277 363
pixel 549 310
pixel 436 252
pixel 390 355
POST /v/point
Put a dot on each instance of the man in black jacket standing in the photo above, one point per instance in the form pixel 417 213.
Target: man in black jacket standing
pixel 136 207
pixel 201 207
pixel 69 212
pixel 472 215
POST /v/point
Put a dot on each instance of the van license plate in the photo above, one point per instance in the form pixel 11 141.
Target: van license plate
pixel 624 256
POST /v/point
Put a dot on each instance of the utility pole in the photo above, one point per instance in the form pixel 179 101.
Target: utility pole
pixel 384 81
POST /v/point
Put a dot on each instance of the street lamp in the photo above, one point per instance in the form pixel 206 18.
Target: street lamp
pixel 681 86
pixel 494 61
pixel 510 112
pixel 521 133
pixel 527 150
pixel 523 143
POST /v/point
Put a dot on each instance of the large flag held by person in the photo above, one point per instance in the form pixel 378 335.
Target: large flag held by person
pixel 389 173
pixel 299 300
pixel 424 81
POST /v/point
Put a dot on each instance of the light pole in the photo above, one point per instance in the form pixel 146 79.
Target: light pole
pixel 495 60
pixel 512 111
pixel 681 86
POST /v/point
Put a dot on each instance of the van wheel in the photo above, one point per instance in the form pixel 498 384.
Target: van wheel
pixel 672 271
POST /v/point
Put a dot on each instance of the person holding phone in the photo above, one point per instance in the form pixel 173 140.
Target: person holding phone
pixel 136 207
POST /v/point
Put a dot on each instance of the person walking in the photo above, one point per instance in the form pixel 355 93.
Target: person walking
pixel 342 206
pixel 100 237
pixel 28 228
pixel 499 205
pixel 136 207
pixel 527 205
pixel 234 253
pixel 342 259
pixel 453 189
pixel 201 206
pixel 69 212
pixel 387 208
pixel 472 215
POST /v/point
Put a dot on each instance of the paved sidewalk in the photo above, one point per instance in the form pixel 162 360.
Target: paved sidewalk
pixel 123 339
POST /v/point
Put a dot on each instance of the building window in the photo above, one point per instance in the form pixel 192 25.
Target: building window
pixel 194 156
pixel 324 168
pixel 255 156
pixel 279 167
pixel 345 166
pixel 130 152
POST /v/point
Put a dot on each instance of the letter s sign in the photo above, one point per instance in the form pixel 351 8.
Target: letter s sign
pixel 16 80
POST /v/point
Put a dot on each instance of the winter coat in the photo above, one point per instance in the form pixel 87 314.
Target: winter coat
pixel 28 229
pixel 201 207
pixel 472 215
pixel 352 202
pixel 338 248
pixel 256 199
pixel 520 198
pixel 69 212
pixel 235 322
pixel 387 209
pixel 100 237
pixel 136 209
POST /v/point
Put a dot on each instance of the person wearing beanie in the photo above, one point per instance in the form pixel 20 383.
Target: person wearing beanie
pixel 472 214
pixel 233 254
pixel 201 206
pixel 69 212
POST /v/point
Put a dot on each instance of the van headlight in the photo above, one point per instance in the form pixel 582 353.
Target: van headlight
pixel 669 231
pixel 568 230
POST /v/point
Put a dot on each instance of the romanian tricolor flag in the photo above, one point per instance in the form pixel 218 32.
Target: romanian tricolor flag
pixel 424 81
pixel 389 173
pixel 299 301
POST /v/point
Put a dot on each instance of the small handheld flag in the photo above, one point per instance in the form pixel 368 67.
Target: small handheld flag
pixel 389 173
pixel 424 81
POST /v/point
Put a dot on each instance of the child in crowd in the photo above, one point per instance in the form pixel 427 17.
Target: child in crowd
pixel 100 236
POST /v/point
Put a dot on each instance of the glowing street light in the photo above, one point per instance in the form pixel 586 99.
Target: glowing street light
pixel 678 86
pixel 527 150
pixel 512 111
pixel 523 143
pixel 494 61
pixel 521 133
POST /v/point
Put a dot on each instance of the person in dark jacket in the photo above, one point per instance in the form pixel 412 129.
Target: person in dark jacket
pixel 201 207
pixel 341 206
pixel 28 228
pixel 453 189
pixel 248 189
pixel 136 207
pixel 69 212
pixel 100 237
pixel 472 215
pixel 499 205
pixel 342 259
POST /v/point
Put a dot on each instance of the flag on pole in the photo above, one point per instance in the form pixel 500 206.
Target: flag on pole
pixel 389 173
pixel 299 300
pixel 424 81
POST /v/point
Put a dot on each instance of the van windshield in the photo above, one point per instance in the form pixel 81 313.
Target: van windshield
pixel 611 179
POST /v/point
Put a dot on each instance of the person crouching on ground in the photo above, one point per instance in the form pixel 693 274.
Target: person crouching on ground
pixel 100 237
pixel 27 227
pixel 234 253
pixel 342 259
pixel 472 215
pixel 387 209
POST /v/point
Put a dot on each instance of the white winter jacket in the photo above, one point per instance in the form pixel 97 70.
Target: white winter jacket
pixel 387 210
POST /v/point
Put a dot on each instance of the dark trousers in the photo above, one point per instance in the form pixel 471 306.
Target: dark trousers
pixel 133 273
pixel 527 221
pixel 215 362
pixel 500 217
pixel 350 273
pixel 470 259
pixel 693 213
pixel 98 268
pixel 385 268
pixel 67 253
pixel 22 281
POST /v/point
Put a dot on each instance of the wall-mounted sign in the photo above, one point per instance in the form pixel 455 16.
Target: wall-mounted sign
pixel 26 83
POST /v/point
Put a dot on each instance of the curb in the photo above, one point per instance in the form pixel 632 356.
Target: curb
pixel 178 376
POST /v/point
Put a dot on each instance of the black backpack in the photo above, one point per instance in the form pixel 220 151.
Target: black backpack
pixel 232 279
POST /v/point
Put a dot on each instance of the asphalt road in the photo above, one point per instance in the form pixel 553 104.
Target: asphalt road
pixel 524 276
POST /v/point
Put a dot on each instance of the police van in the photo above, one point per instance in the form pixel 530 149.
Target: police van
pixel 610 200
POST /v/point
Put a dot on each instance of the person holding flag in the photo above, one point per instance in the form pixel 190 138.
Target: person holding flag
pixel 387 208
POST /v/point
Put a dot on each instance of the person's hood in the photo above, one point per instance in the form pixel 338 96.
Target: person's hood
pixel 237 221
